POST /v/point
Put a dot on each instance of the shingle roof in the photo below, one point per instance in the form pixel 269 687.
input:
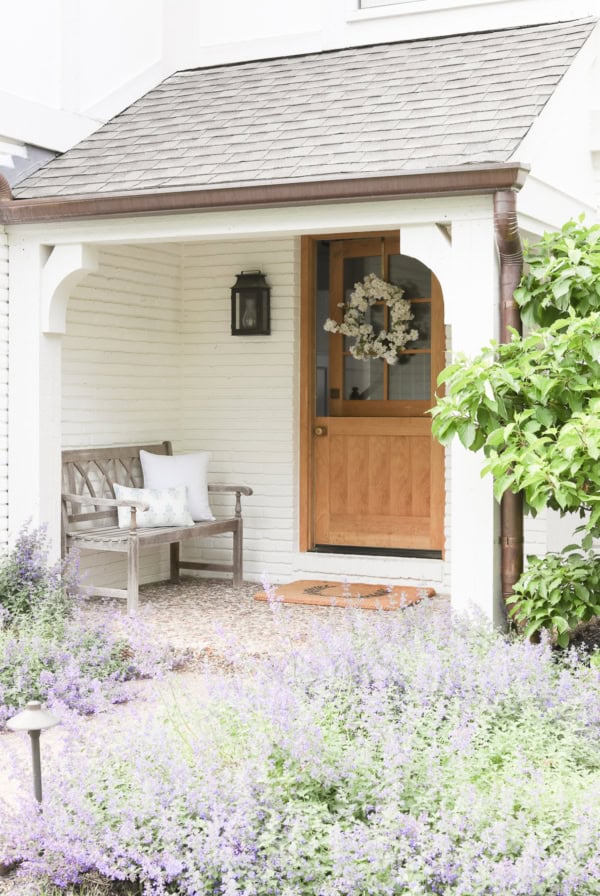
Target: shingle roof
pixel 386 109
pixel 18 160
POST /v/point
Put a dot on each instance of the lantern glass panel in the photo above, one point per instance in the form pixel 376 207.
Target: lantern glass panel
pixel 250 305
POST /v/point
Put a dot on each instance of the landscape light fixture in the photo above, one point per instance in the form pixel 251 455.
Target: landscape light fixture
pixel 34 719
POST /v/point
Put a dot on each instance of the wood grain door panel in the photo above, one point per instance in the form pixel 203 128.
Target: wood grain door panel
pixel 375 483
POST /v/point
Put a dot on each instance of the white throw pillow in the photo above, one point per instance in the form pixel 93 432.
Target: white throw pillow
pixel 166 471
pixel 167 507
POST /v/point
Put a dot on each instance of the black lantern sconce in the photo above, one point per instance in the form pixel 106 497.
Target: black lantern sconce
pixel 250 305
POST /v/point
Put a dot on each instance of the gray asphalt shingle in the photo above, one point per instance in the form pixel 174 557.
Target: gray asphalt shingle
pixel 458 100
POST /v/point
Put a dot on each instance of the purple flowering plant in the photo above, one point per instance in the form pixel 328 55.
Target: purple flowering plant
pixel 393 753
pixel 51 650
pixel 30 584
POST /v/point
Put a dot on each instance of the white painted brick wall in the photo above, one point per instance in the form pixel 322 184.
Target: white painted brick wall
pixel 3 388
pixel 535 534
pixel 122 367
pixel 240 393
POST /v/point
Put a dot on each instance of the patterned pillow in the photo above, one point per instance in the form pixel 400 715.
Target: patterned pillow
pixel 167 506
pixel 167 470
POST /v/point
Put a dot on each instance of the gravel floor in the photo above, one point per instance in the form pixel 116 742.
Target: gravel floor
pixel 205 617
pixel 199 612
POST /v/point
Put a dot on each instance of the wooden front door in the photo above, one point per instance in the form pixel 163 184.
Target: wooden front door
pixel 377 475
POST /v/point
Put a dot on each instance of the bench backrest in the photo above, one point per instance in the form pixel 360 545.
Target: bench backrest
pixel 93 472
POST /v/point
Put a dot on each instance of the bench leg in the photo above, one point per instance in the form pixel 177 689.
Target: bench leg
pixel 238 557
pixel 174 562
pixel 133 574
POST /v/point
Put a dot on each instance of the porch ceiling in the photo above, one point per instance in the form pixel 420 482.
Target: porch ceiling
pixel 462 102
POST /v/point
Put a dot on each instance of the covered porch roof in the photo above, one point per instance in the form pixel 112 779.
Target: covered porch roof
pixel 440 115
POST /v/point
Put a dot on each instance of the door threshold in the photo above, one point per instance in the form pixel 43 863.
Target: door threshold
pixel 375 552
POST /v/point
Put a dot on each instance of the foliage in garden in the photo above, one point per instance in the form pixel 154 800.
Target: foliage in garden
pixel 533 407
pixel 50 650
pixel 398 754
pixel 30 586
pixel 563 275
pixel 558 591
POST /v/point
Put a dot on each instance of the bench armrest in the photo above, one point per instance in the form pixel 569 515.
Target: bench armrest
pixel 104 502
pixel 231 489
pixel 237 490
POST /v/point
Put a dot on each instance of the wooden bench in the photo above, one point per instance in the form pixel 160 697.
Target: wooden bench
pixel 89 516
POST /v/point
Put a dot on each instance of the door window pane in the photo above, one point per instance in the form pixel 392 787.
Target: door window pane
pixel 411 275
pixel 322 338
pixel 363 380
pixel 376 316
pixel 410 378
pixel 356 269
pixel 421 321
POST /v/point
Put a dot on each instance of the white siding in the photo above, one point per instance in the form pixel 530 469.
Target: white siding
pixel 535 534
pixel 149 355
pixel 240 401
pixel 3 388
pixel 240 393
pixel 122 366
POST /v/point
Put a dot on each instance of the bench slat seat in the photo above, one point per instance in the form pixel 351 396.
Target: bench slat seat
pixel 89 516
pixel 112 538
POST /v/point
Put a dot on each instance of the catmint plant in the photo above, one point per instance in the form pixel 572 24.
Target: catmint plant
pixel 51 650
pixel 30 584
pixel 393 753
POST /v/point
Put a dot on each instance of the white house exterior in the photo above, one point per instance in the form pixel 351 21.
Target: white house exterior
pixel 117 259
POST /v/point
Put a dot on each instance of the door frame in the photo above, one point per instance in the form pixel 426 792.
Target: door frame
pixel 307 374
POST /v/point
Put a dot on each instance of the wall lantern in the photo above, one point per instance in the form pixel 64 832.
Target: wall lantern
pixel 34 719
pixel 250 305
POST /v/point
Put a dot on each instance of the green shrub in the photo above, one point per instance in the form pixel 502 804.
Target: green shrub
pixel 557 592
pixel 532 406
pixel 563 275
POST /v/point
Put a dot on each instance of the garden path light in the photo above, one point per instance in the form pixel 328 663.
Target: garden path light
pixel 34 719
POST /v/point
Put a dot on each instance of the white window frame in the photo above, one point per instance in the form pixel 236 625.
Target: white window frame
pixel 354 13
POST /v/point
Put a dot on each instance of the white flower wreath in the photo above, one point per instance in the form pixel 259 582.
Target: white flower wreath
pixel 387 343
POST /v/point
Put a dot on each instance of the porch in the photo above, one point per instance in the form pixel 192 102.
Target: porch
pixel 120 334
pixel 122 253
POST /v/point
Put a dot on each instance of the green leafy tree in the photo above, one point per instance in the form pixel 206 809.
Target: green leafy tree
pixel 563 275
pixel 533 407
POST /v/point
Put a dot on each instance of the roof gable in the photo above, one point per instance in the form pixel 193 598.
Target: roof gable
pixel 359 112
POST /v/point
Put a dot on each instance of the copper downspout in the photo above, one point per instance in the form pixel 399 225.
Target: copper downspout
pixel 510 251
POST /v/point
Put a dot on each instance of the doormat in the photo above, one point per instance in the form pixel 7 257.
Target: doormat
pixel 341 594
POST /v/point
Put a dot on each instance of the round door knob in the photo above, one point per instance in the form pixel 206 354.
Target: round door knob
pixel 320 430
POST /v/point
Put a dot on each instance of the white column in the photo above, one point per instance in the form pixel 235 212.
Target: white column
pixel 472 311
pixel 40 280
pixel 34 399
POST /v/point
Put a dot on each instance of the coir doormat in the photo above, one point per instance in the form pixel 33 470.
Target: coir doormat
pixel 342 594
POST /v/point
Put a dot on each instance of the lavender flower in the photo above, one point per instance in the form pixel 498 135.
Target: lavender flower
pixel 395 753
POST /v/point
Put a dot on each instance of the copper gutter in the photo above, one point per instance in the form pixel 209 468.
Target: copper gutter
pixel 454 181
pixel 510 251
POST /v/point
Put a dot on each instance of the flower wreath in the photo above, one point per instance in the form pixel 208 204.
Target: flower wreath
pixel 387 343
